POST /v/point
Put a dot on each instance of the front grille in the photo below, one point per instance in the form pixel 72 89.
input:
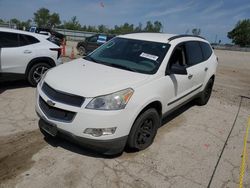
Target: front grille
pixel 56 113
pixel 59 96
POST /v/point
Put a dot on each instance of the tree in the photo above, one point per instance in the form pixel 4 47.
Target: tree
pixel 126 28
pixel 157 26
pixel 43 18
pixel 54 20
pixel 25 24
pixel 139 28
pixel 240 35
pixel 92 29
pixel 15 21
pixel 102 29
pixel 73 24
pixel 149 27
pixel 196 31
pixel 153 27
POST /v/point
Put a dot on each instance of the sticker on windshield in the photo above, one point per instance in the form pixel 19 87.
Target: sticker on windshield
pixel 149 56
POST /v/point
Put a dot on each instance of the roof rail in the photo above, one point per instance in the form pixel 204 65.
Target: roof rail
pixel 180 36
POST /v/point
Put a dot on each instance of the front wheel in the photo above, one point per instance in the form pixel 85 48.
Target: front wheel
pixel 36 72
pixel 143 132
pixel 206 93
pixel 82 50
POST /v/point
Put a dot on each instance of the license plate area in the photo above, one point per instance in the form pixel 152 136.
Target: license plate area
pixel 49 128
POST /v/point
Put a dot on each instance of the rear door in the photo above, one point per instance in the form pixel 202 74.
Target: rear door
pixel 16 51
pixel 195 65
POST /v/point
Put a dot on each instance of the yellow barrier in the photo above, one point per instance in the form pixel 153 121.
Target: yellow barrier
pixel 244 156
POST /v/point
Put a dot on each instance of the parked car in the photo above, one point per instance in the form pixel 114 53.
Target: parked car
pixel 92 42
pixel 26 55
pixel 118 95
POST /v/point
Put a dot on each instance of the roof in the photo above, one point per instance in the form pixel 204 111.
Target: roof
pixel 157 37
pixel 154 37
pixel 39 36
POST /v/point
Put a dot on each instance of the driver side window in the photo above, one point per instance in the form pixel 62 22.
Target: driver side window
pixel 177 58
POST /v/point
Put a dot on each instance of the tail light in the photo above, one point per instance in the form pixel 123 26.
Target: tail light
pixel 58 51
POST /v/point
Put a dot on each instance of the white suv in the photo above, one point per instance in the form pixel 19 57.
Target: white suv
pixel 25 54
pixel 117 95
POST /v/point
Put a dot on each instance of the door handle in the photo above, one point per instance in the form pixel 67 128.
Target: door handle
pixel 206 69
pixel 27 51
pixel 190 76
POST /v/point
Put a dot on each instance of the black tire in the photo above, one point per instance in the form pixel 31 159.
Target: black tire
pixel 143 131
pixel 206 93
pixel 81 50
pixel 36 71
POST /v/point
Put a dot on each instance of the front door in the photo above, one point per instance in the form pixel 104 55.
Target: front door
pixel 178 86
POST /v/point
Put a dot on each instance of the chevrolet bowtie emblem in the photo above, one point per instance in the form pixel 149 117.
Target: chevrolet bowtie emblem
pixel 50 103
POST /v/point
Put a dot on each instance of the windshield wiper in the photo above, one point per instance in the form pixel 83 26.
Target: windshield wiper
pixel 110 64
pixel 122 67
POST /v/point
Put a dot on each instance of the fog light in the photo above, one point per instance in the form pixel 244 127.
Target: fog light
pixel 96 132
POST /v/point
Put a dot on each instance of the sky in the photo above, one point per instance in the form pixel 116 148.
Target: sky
pixel 214 17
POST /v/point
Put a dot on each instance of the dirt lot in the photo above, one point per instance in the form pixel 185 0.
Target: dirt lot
pixel 184 154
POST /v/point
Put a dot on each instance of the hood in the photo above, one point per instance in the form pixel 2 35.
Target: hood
pixel 89 79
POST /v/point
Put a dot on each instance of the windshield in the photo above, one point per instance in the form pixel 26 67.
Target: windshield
pixel 132 55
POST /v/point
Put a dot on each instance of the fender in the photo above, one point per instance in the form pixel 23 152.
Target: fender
pixel 144 106
pixel 48 60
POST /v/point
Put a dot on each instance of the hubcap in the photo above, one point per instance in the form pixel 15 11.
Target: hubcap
pixel 144 135
pixel 39 71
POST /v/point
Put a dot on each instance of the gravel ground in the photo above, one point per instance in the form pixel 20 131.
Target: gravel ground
pixel 184 154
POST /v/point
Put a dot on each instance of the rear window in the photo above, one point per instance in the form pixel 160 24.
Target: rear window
pixel 27 40
pixel 193 52
pixel 8 40
pixel 206 50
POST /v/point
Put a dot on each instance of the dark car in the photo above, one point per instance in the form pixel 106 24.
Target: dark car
pixel 92 42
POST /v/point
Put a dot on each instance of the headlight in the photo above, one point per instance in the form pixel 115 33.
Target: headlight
pixel 114 101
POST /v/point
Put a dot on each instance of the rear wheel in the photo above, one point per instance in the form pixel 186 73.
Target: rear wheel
pixel 206 93
pixel 144 130
pixel 36 72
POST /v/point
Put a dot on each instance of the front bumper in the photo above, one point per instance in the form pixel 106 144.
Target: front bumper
pixel 86 118
pixel 107 147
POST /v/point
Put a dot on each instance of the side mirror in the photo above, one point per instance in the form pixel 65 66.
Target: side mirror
pixel 177 69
